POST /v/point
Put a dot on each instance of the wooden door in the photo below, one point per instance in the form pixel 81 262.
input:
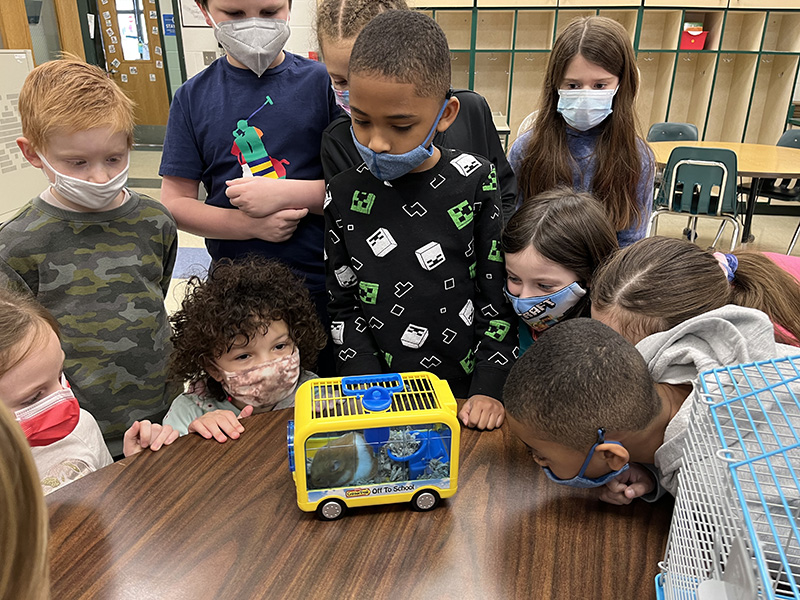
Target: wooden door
pixel 134 56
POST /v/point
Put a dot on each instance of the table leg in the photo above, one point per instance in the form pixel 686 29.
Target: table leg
pixel 752 197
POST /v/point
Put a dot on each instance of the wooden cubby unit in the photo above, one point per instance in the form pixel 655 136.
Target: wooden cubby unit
pixel 783 32
pixel 712 24
pixel 495 30
pixel 457 26
pixel 727 116
pixel 771 97
pixel 518 3
pixel 535 29
pixel 627 18
pixel 743 31
pixel 694 4
pixel 656 70
pixel 492 70
pixel 459 70
pixel 691 89
pixel 529 71
pixel 661 30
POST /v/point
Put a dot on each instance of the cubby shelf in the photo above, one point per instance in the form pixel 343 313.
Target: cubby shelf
pixel 738 87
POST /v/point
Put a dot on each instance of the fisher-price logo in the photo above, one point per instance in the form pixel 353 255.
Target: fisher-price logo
pixel 357 492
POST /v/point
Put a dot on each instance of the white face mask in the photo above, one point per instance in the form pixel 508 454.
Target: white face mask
pixel 264 385
pixel 255 42
pixel 584 109
pixel 94 196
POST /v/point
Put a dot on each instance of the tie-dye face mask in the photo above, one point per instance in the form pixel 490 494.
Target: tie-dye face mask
pixel 264 385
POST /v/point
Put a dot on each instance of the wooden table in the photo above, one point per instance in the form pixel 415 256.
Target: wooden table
pixel 758 161
pixel 205 520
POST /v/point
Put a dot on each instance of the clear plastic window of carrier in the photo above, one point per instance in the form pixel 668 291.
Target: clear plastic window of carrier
pixel 378 455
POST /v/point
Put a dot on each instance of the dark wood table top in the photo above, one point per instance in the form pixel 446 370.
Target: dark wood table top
pixel 202 520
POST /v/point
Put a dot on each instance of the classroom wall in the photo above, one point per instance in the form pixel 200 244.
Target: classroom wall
pixel 197 40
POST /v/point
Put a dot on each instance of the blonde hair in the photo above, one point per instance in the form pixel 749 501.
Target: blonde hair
pixel 658 283
pixel 24 571
pixel 20 316
pixel 547 161
pixel 68 95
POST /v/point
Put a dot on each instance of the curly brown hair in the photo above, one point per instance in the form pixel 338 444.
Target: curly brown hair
pixel 240 298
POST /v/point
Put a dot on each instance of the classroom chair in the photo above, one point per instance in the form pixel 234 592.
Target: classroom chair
pixel 700 182
pixel 674 132
pixel 782 189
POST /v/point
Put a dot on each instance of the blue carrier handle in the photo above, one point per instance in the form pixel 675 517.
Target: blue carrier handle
pixel 378 397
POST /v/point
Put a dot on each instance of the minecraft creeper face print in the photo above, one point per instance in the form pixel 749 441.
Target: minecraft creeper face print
pixel 362 202
pixel 468 362
pixel 498 329
pixel 461 214
pixel 368 292
pixel 491 181
pixel 494 252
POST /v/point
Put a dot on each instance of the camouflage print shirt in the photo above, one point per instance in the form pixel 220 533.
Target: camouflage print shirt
pixel 104 276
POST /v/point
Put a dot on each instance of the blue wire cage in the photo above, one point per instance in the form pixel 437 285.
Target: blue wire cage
pixel 735 532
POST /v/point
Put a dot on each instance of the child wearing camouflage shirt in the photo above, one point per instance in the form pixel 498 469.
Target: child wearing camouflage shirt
pixel 98 256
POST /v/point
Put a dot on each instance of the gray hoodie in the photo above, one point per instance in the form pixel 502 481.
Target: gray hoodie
pixel 727 336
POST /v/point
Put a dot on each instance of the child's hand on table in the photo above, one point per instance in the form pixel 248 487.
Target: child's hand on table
pixel 634 482
pixel 220 424
pixel 482 412
pixel 144 434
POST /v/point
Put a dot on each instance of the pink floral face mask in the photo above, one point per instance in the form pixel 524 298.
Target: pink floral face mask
pixel 264 385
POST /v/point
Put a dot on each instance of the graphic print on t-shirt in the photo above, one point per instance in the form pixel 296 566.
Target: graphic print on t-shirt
pixel 250 151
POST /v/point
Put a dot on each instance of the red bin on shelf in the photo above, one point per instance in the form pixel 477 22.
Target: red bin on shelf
pixel 691 40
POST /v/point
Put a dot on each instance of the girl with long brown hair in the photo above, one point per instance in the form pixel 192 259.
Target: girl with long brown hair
pixel 585 132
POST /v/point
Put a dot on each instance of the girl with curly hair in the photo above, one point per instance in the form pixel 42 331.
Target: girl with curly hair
pixel 246 337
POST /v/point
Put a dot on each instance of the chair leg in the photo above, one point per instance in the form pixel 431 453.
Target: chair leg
pixel 652 225
pixel 794 240
pixel 719 234
pixel 735 237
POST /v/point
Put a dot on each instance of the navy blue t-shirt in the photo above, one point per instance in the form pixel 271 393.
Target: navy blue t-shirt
pixel 226 120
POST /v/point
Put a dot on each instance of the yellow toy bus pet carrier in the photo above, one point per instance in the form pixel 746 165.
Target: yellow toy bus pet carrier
pixel 375 439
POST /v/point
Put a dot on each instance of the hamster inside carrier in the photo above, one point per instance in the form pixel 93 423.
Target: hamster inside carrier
pixel 735 532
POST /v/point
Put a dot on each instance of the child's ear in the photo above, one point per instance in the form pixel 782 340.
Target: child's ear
pixel 213 371
pixel 449 114
pixel 615 455
pixel 28 152
pixel 205 13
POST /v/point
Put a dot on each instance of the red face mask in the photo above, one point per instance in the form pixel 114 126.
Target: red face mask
pixel 50 419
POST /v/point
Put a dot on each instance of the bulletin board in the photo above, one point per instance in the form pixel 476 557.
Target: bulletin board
pixel 18 179
pixel 191 16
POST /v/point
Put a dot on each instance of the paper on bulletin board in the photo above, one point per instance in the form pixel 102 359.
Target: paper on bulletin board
pixel 18 179
pixel 191 15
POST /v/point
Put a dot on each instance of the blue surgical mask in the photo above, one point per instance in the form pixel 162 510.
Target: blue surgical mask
pixel 541 312
pixel 584 109
pixel 342 99
pixel 387 167
pixel 579 481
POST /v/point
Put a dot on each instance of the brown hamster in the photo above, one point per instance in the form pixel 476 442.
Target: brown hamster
pixel 343 461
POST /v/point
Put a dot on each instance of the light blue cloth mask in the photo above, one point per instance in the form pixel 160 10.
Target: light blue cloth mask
pixel 541 312
pixel 387 167
pixel 579 481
